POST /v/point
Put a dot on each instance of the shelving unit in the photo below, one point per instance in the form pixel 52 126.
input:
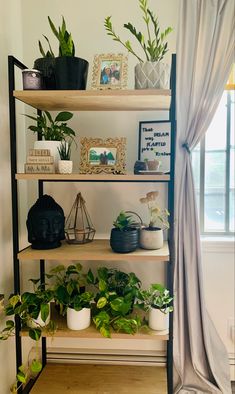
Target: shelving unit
pixel 98 250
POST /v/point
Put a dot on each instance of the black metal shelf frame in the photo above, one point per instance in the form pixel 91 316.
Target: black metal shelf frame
pixel 12 63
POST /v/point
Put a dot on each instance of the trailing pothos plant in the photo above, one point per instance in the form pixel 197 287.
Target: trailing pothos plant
pixel 27 307
pixel 68 284
pixel 157 296
pixel 114 301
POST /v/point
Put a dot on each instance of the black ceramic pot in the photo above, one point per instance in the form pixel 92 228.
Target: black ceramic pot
pixel 124 241
pixel 47 66
pixel 139 166
pixel 71 73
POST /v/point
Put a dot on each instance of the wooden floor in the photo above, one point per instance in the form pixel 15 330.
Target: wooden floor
pixel 100 379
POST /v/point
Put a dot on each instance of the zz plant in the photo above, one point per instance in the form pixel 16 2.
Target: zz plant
pixel 154 46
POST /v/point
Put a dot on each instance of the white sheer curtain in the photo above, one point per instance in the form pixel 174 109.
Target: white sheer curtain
pixel 205 53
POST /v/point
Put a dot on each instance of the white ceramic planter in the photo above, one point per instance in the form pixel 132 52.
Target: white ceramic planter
pixel 152 75
pixel 34 323
pixel 158 320
pixel 65 166
pixel 52 146
pixel 151 239
pixel 78 320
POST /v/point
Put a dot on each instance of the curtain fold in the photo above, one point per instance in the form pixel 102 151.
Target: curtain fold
pixel 205 52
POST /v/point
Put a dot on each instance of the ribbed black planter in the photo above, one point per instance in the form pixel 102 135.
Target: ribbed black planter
pixel 47 66
pixel 71 73
pixel 124 241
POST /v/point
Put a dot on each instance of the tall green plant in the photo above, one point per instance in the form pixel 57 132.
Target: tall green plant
pixel 154 46
pixel 49 53
pixel 66 44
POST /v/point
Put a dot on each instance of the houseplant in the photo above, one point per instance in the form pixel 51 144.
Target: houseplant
pixel 157 301
pixel 151 236
pixel 151 73
pixel 46 64
pixel 115 299
pixel 65 164
pixel 70 71
pixel 70 295
pixel 124 236
pixel 52 131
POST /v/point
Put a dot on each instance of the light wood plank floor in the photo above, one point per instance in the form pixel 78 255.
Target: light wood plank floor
pixel 100 379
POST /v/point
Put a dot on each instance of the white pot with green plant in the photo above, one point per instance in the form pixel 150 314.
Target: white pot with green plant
pixel 65 164
pixel 151 236
pixel 157 302
pixel 52 131
pixel 150 73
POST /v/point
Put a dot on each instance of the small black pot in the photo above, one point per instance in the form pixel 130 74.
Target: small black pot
pixel 71 73
pixel 124 241
pixel 47 66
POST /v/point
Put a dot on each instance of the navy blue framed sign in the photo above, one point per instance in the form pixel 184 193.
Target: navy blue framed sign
pixel 155 143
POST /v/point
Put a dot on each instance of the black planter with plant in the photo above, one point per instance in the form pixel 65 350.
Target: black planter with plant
pixel 70 71
pixel 125 235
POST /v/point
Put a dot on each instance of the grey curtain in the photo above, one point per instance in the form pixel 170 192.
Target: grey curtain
pixel 205 51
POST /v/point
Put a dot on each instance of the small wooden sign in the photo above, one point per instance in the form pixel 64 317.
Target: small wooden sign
pixel 39 152
pixel 39 168
pixel 39 159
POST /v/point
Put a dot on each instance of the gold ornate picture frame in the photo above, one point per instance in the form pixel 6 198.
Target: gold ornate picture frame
pixel 103 155
pixel 109 71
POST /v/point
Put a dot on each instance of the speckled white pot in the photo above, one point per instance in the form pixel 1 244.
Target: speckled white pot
pixel 151 239
pixel 65 166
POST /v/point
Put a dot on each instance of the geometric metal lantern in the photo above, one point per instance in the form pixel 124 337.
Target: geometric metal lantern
pixel 78 226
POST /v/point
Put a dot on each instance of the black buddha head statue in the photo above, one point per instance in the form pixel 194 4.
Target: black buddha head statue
pixel 45 224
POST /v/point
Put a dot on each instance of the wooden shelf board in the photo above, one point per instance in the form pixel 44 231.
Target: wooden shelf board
pixel 100 379
pixel 94 177
pixel 91 332
pixel 96 100
pixel 96 250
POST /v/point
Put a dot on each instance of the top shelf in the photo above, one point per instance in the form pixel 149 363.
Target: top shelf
pixel 96 100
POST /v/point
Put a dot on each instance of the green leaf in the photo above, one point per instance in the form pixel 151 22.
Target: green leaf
pixel 53 28
pixel 101 302
pixel 34 281
pixel 57 269
pixel 35 333
pixel 102 285
pixel 36 366
pixel 41 49
pixel 63 116
pixel 105 331
pixel 90 277
pixel 10 324
pixel 21 377
pixel 44 309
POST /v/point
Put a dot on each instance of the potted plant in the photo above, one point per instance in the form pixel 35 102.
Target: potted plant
pixel 46 64
pixel 125 235
pixel 157 301
pixel 74 302
pixel 70 71
pixel 115 299
pixel 65 164
pixel 151 73
pixel 152 165
pixel 151 236
pixel 52 131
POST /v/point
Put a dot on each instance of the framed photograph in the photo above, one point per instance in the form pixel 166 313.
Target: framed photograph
pixel 155 142
pixel 109 71
pixel 103 155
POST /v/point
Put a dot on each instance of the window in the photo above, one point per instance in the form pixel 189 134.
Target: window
pixel 213 166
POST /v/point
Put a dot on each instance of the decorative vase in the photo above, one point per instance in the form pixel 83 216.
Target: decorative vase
pixel 34 323
pixel 47 67
pixel 151 238
pixel 71 73
pixel 124 241
pixel 52 146
pixel 153 165
pixel 152 75
pixel 78 320
pixel 158 320
pixel 65 166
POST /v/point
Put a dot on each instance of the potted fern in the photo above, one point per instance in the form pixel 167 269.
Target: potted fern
pixel 65 164
pixel 151 72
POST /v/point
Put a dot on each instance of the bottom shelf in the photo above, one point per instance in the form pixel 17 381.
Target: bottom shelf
pixel 100 379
